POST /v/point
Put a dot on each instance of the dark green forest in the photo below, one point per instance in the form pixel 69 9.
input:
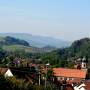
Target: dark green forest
pixel 12 41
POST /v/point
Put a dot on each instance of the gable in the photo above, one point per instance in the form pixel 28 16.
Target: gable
pixel 8 73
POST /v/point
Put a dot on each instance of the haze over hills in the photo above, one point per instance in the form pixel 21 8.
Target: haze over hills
pixel 38 41
pixel 13 44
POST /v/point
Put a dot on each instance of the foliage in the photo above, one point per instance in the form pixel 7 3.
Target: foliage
pixel 50 74
pixel 79 48
pixel 2 54
pixel 12 83
pixel 53 58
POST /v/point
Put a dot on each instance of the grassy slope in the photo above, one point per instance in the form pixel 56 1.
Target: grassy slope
pixel 21 47
pixel 15 47
pixel 1 38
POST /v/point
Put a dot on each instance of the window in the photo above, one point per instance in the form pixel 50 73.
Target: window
pixel 71 78
pixel 68 79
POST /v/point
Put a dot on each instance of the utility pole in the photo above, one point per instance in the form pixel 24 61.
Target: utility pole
pixel 39 79
pixel 46 79
pixel 46 75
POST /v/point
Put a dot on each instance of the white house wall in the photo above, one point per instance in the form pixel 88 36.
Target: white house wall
pixel 8 73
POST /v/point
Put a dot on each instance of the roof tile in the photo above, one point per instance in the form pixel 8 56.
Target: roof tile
pixel 64 72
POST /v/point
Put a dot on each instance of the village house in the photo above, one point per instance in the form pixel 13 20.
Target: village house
pixel 6 72
pixel 83 86
pixel 69 75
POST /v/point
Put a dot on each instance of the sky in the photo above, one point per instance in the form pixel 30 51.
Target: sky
pixel 63 19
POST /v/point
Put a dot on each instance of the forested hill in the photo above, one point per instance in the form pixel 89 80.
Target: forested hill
pixel 79 48
pixel 12 41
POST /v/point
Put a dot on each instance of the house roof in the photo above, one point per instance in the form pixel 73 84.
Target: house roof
pixel 3 70
pixel 87 85
pixel 64 72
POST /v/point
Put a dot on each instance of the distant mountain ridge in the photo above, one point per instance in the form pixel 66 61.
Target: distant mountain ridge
pixel 38 41
pixel 12 44
pixel 8 40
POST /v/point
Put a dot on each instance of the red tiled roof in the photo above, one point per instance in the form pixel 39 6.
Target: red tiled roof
pixel 87 85
pixel 3 70
pixel 64 72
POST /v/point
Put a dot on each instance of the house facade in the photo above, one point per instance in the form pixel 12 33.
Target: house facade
pixel 6 72
pixel 69 75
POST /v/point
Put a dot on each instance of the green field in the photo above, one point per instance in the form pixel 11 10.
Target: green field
pixel 12 48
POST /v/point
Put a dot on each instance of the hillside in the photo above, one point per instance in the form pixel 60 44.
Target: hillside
pixel 12 41
pixel 79 48
pixel 12 44
pixel 38 41
pixel 13 48
pixel 58 57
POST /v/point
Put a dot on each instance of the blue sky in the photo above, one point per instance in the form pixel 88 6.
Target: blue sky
pixel 63 19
